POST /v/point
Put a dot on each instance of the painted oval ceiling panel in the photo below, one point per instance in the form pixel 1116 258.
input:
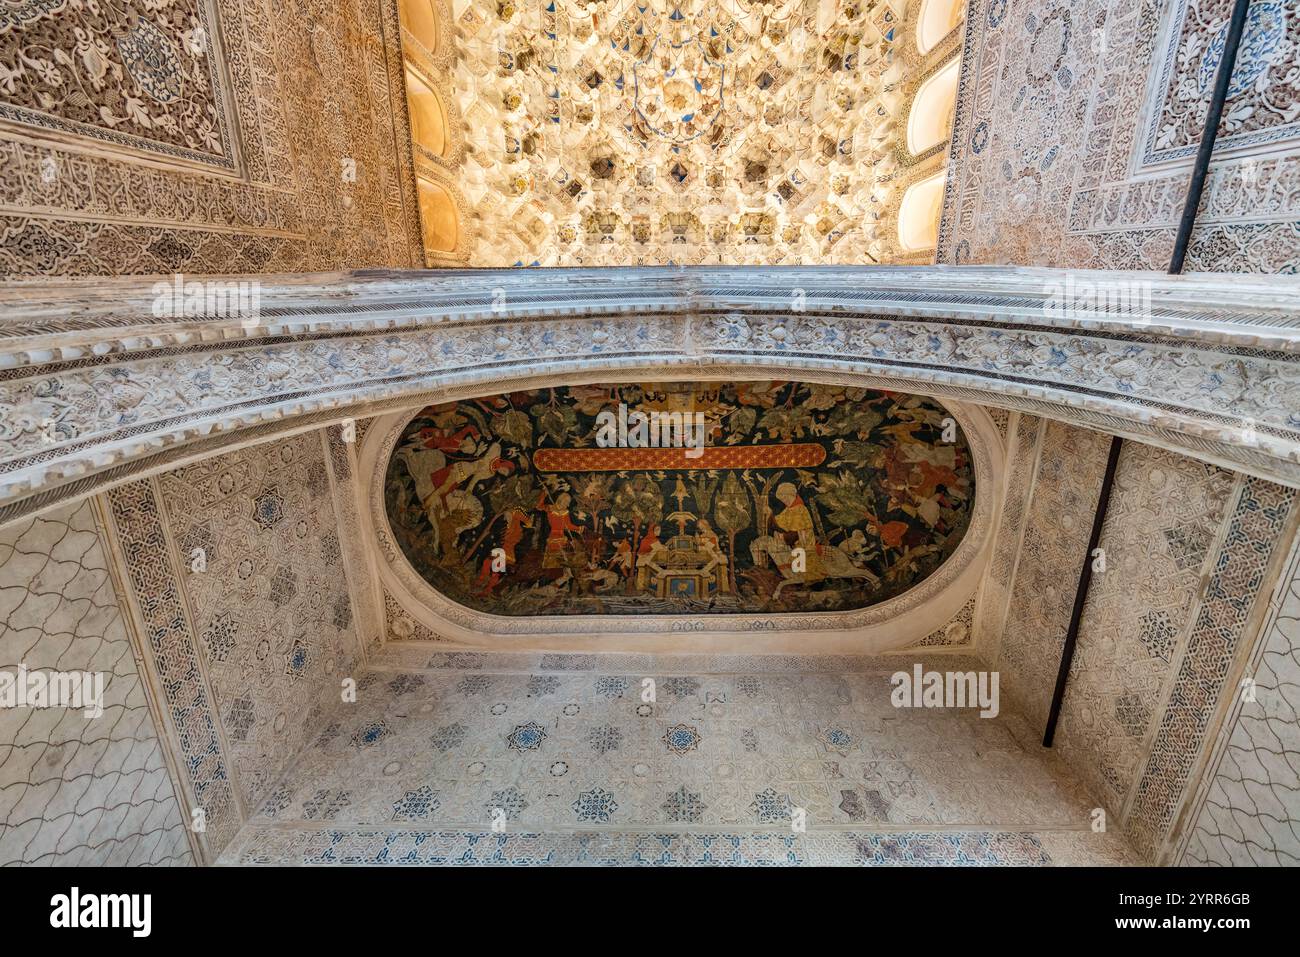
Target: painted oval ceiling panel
pixel 679 498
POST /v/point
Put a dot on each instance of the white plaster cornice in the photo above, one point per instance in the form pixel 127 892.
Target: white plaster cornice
pixel 95 390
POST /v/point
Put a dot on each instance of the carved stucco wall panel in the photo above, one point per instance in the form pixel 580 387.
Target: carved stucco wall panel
pixel 1024 437
pixel 359 560
pixel 212 136
pixel 249 651
pixel 1068 476
pixel 271 608
pixel 1076 125
pixel 1161 529
pixel 1189 550
pixel 1257 528
pixel 956 634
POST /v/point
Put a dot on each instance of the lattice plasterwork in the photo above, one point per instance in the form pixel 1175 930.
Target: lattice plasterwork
pixel 74 790
pixel 369 622
pixel 1248 808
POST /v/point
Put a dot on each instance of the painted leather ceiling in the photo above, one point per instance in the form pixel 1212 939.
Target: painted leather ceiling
pixel 512 504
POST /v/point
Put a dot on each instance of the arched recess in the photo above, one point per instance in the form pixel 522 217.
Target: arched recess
pixel 420 20
pixel 937 19
pixel 438 216
pixel 893 624
pixel 918 213
pixel 428 117
pixel 929 121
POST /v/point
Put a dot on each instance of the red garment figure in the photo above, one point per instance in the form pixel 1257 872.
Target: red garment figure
pixel 561 525
pixel 516 522
pixel 649 542
pixel 487 578
pixel 445 441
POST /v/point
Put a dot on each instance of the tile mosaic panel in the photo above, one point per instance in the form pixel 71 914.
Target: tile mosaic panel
pixel 566 756
pixel 449 748
pixel 75 790
pixel 399 847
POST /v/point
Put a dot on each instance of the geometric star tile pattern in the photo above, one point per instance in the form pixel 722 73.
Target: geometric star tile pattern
pixel 833 751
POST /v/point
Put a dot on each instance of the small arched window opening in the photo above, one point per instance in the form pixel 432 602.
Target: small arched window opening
pixel 438 216
pixel 421 21
pixel 428 119
pixel 937 19
pixel 918 214
pixel 930 121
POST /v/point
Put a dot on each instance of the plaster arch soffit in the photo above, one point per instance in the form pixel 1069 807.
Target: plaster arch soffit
pixel 96 388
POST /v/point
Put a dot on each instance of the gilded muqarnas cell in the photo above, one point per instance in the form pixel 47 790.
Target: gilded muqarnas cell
pixel 876 488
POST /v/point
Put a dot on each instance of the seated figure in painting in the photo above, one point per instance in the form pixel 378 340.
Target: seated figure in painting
pixel 796 521
pixel 707 540
pixel 648 560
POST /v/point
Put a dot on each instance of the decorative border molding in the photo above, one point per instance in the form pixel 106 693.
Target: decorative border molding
pixel 1211 370
pixel 1245 568
pixel 173 663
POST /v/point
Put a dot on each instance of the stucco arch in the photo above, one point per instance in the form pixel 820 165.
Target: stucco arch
pixel 98 390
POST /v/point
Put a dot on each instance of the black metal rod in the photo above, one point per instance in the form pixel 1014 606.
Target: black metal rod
pixel 1215 112
pixel 1081 593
